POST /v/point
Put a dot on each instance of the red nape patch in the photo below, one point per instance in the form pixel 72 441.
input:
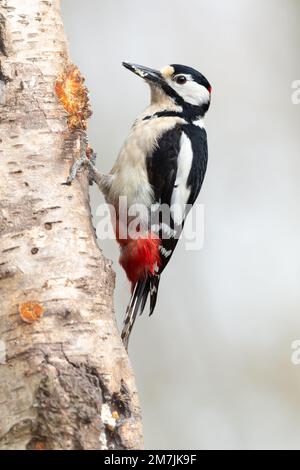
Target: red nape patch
pixel 140 257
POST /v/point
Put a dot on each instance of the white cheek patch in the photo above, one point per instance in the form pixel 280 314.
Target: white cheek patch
pixel 192 92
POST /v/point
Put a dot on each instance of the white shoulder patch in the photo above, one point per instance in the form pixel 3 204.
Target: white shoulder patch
pixel 181 192
pixel 199 123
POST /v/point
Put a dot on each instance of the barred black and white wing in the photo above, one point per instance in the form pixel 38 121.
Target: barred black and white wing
pixel 176 169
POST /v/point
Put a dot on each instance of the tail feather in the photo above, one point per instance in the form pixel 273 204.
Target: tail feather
pixel 154 283
pixel 145 295
pixel 137 303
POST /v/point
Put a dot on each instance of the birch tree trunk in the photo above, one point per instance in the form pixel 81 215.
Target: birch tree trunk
pixel 65 379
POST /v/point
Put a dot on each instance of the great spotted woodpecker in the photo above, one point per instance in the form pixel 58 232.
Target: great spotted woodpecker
pixel 162 164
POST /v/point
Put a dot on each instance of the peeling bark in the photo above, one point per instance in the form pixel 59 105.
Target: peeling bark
pixel 66 381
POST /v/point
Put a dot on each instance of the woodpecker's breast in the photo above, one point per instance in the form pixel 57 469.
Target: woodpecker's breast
pixel 130 177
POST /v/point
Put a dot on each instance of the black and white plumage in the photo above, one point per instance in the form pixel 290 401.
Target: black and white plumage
pixel 162 164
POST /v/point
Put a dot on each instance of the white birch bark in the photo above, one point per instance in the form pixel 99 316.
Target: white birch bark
pixel 65 381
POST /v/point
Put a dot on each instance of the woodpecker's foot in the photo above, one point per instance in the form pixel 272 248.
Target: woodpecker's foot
pixel 87 160
pixel 95 176
pixel 77 165
pixel 91 163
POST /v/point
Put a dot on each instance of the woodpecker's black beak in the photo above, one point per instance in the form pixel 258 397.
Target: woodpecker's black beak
pixel 148 74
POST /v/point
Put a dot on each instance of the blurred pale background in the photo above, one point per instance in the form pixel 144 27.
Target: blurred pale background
pixel 213 365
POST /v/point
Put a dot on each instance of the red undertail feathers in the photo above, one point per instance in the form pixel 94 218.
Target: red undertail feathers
pixel 140 257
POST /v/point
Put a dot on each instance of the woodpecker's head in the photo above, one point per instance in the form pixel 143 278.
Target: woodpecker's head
pixel 185 86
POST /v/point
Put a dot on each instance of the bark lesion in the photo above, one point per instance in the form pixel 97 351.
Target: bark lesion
pixel 19 431
pixel 76 409
pixel 3 41
pixel 69 409
pixel 7 271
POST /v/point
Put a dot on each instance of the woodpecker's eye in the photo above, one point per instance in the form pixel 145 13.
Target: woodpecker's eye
pixel 180 79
